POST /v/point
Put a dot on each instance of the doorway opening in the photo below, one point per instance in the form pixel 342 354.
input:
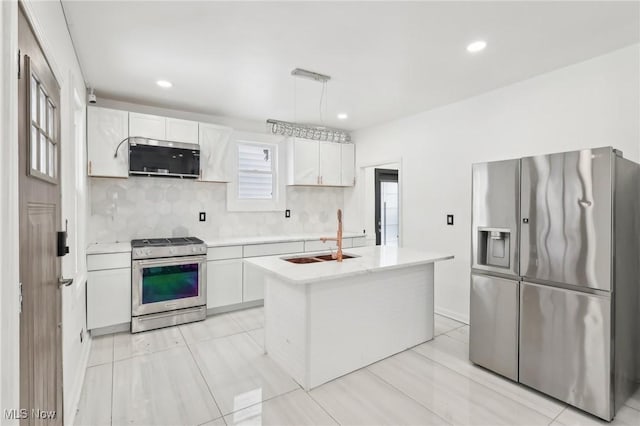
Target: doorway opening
pixel 387 206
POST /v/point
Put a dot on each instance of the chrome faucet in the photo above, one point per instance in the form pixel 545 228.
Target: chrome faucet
pixel 338 239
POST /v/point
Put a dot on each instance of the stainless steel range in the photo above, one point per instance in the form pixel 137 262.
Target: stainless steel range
pixel 169 282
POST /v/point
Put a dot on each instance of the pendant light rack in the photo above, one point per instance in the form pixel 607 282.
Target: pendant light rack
pixel 307 131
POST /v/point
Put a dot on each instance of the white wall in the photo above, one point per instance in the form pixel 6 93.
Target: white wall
pixel 50 27
pixel 589 104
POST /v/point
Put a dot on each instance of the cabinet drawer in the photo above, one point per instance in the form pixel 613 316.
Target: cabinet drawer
pixel 273 249
pixel 108 298
pixel 229 252
pixel 97 262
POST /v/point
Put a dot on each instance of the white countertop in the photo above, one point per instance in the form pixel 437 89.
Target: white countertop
pixel 244 241
pixel 371 259
pixel 104 248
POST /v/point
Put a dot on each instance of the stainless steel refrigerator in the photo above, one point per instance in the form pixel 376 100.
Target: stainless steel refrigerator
pixel 555 275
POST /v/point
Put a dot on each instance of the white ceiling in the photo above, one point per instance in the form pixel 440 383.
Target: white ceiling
pixel 387 59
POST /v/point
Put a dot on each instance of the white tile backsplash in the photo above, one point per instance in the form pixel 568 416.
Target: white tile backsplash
pixel 142 207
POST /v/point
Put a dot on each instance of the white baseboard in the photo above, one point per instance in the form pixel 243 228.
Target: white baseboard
pixel 452 314
pixel 76 390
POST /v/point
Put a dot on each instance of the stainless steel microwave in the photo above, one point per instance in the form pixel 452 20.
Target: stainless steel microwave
pixel 150 157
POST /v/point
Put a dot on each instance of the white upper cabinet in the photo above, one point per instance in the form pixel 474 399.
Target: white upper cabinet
pixel 147 126
pixel 303 162
pixel 330 163
pixel 181 130
pixel 348 162
pixel 106 128
pixel 215 159
pixel 320 163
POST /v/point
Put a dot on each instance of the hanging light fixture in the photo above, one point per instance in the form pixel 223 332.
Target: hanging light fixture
pixel 286 128
pixel 304 131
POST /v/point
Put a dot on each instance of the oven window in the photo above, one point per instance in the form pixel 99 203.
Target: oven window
pixel 161 283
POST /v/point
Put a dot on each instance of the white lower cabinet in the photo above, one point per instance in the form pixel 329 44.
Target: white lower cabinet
pixel 224 282
pixel 108 297
pixel 359 241
pixel 253 283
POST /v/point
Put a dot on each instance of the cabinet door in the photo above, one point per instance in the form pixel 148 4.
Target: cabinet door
pixel 181 130
pixel 304 162
pixel 224 282
pixel 348 163
pixel 330 159
pixel 108 298
pixel 106 128
pixel 253 283
pixel 215 160
pixel 493 338
pixel 147 126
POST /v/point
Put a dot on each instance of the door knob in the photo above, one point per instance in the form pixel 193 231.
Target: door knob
pixel 65 282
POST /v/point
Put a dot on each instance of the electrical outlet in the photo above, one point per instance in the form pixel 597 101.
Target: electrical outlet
pixel 449 219
pixel 203 216
pixel 287 213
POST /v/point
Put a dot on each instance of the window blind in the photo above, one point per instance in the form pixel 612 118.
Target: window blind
pixel 255 172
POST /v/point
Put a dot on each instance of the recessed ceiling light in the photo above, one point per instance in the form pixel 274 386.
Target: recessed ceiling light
pixel 477 46
pixel 164 83
pixel 343 116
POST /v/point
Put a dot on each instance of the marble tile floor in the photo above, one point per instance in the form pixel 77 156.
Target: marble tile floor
pixel 215 373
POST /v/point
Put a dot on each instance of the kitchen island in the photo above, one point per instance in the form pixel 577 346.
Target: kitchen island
pixel 326 319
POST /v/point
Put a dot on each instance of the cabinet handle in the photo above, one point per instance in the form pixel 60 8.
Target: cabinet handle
pixel 89 167
pixel 65 282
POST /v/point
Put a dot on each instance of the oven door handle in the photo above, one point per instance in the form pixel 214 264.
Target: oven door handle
pixel 169 261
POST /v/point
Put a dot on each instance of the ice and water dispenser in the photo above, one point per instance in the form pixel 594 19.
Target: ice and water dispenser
pixel 494 245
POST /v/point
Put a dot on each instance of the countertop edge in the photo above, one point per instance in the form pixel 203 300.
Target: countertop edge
pixel 256 261
pixel 125 246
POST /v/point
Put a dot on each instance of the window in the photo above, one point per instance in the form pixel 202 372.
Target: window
pixel 255 172
pixel 258 175
pixel 43 144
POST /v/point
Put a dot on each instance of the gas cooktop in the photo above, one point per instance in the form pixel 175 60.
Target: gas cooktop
pixel 165 242
pixel 151 248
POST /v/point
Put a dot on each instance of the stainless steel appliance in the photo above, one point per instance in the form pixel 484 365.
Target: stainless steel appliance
pixel 149 157
pixel 554 274
pixel 169 284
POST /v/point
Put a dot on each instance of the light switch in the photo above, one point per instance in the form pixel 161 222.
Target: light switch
pixel 203 216
pixel 449 219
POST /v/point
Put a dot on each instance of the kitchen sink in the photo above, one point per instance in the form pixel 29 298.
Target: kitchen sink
pixel 316 258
